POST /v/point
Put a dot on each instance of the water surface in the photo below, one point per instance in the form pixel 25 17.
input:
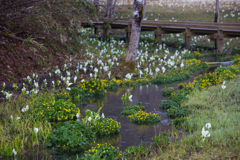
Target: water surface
pixel 132 134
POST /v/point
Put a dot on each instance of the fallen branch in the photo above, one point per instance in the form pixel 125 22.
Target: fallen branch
pixel 2 43
pixel 10 35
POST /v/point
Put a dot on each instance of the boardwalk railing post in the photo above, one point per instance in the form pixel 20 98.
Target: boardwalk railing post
pixel 96 30
pixel 159 34
pixel 129 30
pixel 187 38
pixel 219 41
pixel 105 30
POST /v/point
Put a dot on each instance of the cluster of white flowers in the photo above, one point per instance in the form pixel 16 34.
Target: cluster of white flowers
pixel 25 109
pixel 206 134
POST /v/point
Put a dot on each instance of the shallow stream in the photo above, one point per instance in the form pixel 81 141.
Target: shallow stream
pixel 132 134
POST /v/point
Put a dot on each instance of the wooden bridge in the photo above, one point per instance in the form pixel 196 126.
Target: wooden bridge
pixel 218 30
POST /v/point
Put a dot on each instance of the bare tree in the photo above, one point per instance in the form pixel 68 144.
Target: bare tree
pixel 114 7
pixel 136 30
pixel 109 8
pixel 217 14
pixel 144 11
pixel 96 4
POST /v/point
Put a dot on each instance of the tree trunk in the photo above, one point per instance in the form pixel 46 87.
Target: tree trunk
pixel 96 4
pixel 114 7
pixel 109 8
pixel 217 14
pixel 136 30
pixel 144 11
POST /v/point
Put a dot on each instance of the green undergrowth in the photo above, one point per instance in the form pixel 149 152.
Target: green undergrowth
pixel 217 106
pixel 142 117
pixel 192 66
pixel 167 92
pixel 131 110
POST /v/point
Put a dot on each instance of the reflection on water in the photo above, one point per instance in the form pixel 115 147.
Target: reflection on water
pixel 132 134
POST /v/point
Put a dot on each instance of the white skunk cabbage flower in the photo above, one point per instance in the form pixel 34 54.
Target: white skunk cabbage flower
pixel 205 134
pixel 208 125
pixel 103 116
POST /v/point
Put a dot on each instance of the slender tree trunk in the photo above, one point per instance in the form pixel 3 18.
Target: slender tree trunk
pixel 109 8
pixel 114 7
pixel 144 11
pixel 217 14
pixel 96 4
pixel 136 30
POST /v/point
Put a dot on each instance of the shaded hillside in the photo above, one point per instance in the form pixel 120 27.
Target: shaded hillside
pixel 35 35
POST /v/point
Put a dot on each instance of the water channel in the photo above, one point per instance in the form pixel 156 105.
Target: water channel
pixel 132 134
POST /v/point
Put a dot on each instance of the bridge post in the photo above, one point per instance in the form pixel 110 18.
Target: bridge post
pixel 219 41
pixel 105 30
pixel 96 30
pixel 187 38
pixel 158 34
pixel 129 30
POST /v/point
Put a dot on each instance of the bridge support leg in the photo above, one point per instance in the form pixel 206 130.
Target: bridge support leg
pixel 96 30
pixel 129 30
pixel 105 30
pixel 219 41
pixel 187 38
pixel 158 34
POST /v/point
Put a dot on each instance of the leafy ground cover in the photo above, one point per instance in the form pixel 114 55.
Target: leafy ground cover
pixel 216 104
pixel 131 110
pixel 142 117
pixel 102 151
pixel 219 107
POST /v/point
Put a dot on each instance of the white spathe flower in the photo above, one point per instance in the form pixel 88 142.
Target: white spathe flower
pixel 67 85
pixel 58 71
pixel 223 87
pixel 89 119
pixel 163 69
pixel 223 82
pixel 36 130
pixel 205 134
pixel 90 74
pixel 68 74
pixel 103 116
pixel 208 125
pixel 18 118
pixel 8 95
pixel 129 76
pixel 157 70
pixel 25 109
pixel 77 115
pixel 130 98
pixel 11 117
pixel 14 152
pixel 36 84
pixel 109 74
pixel 97 117
pixel 96 70
pixel 182 65
pixel 75 79
pixel 82 80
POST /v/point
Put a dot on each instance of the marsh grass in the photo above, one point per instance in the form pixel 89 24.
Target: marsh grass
pixel 19 134
pixel 217 106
